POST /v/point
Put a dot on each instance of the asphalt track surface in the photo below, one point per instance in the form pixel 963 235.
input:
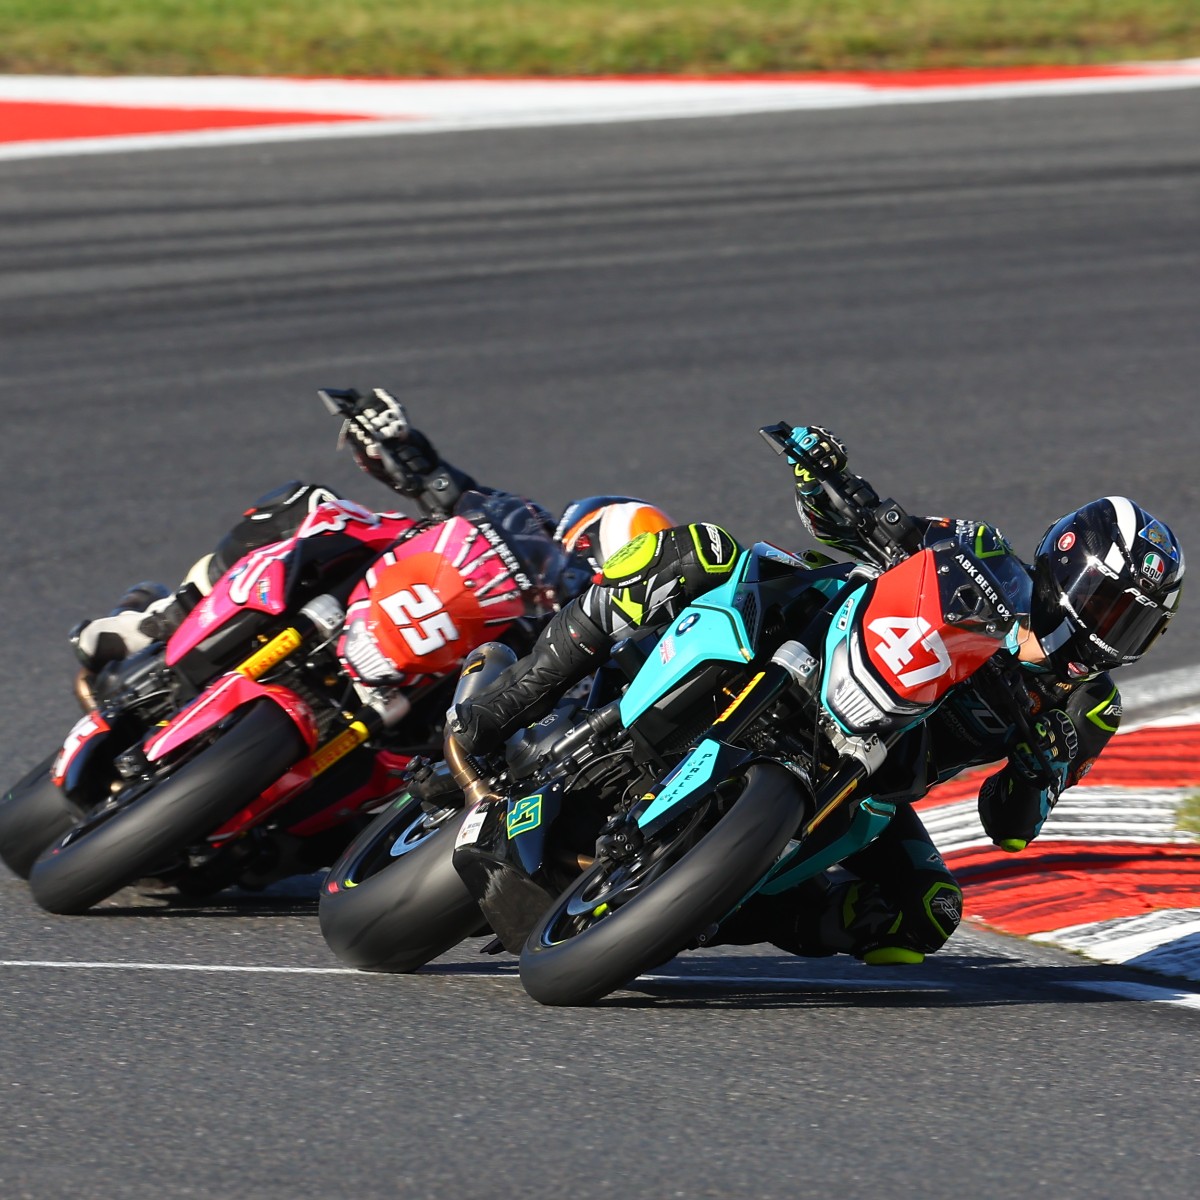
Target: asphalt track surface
pixel 994 304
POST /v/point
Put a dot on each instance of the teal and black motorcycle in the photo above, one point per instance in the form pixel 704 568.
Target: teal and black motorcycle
pixel 733 754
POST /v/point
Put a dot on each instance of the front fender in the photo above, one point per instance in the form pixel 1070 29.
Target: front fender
pixel 691 779
pixel 225 696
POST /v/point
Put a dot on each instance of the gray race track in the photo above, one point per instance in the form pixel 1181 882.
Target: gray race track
pixel 995 304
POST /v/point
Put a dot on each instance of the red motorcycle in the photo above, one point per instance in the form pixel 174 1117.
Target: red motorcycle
pixel 252 745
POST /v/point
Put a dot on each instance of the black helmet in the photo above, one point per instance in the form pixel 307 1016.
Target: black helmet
pixel 1106 581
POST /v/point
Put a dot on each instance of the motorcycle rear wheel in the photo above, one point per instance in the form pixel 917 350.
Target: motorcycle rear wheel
pixel 394 901
pixel 96 860
pixel 34 814
pixel 623 917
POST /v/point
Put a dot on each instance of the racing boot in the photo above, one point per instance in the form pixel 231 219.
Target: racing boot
pixel 148 612
pixel 567 650
pixel 820 917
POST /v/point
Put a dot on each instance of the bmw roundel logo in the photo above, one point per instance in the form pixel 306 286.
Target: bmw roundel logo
pixel 686 623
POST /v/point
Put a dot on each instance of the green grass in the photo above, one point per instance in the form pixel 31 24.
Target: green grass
pixel 579 37
pixel 1188 818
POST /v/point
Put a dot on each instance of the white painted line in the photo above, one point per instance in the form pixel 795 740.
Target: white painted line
pixel 143 966
pixel 1141 991
pixel 796 982
pixel 792 981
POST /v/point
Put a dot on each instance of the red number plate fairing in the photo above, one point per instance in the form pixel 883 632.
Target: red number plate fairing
pixel 910 643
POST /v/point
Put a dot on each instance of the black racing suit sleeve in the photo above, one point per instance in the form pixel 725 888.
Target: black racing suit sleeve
pixel 830 528
pixel 436 485
pixel 1015 801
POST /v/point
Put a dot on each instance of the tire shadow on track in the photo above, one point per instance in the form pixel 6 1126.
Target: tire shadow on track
pixel 966 983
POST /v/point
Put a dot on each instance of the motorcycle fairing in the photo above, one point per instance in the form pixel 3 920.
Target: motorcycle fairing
pixel 851 829
pixel 711 629
pixel 259 581
pixel 421 608
pixel 507 874
pixel 898 644
pixel 355 782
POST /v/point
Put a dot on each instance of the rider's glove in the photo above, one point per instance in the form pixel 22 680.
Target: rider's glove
pixel 383 426
pixel 823 447
pixel 1058 743
pixel 381 420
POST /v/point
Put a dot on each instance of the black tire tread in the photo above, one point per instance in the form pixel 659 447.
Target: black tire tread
pixel 196 799
pixel 688 897
pixel 34 814
pixel 406 914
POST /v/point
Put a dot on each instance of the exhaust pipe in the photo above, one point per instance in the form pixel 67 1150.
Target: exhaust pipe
pixel 481 669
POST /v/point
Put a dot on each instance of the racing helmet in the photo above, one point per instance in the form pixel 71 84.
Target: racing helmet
pixel 592 530
pixel 1106 581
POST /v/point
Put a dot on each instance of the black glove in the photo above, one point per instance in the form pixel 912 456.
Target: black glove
pixel 825 449
pixel 1048 759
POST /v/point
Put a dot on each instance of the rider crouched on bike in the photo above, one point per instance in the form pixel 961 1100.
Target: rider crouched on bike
pixel 391 450
pixel 1104 582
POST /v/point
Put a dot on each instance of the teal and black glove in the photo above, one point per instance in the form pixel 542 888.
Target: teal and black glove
pixel 823 448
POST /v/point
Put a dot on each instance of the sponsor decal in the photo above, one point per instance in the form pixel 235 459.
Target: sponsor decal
pixel 507 557
pixel 686 624
pixel 333 515
pixel 714 537
pixel 1156 533
pixel 843 617
pixel 981 582
pixel 468 831
pixel 1153 567
pixel 1144 600
pixel 1066 541
pixel 524 815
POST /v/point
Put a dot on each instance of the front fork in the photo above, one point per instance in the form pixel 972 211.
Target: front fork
pixel 321 617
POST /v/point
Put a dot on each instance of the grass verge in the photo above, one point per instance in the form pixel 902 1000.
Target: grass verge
pixel 1188 819
pixel 441 38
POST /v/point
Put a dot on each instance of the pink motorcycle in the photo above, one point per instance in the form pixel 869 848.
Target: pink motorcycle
pixel 257 740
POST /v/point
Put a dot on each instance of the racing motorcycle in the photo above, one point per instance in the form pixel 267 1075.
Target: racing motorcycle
pixel 746 753
pixel 248 747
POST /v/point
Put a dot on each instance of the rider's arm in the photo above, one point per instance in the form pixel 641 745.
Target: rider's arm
pixel 643 586
pixel 821 515
pixel 1016 800
pixel 391 450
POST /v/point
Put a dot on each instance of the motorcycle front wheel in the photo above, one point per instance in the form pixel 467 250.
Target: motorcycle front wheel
pixel 625 916
pixel 394 901
pixel 111 848
pixel 34 814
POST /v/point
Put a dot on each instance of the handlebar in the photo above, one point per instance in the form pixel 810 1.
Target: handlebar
pixel 882 524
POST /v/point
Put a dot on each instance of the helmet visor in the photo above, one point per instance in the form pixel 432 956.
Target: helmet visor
pixel 1122 622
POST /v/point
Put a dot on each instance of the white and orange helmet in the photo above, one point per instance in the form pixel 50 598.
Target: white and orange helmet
pixel 592 530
